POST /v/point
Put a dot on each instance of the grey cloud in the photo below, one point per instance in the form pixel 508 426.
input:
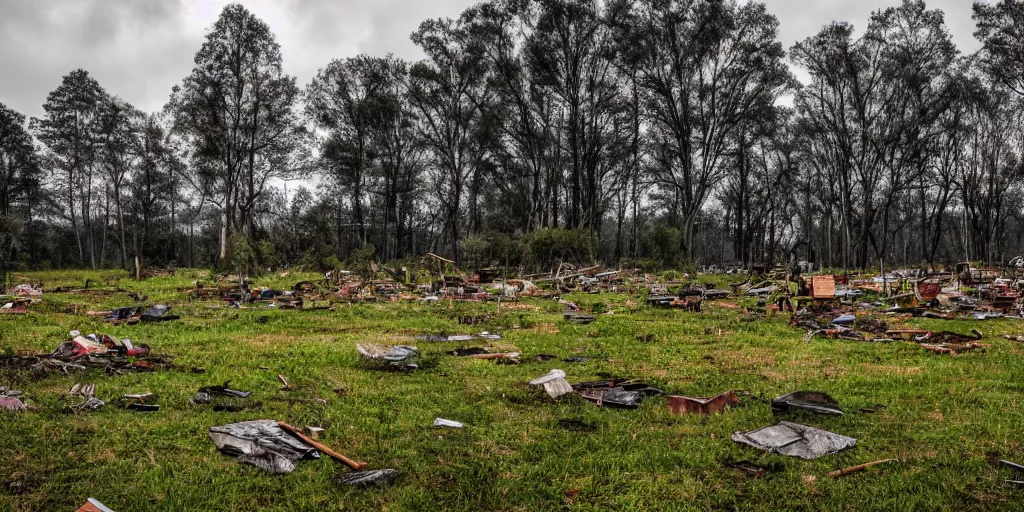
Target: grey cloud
pixel 800 19
pixel 139 49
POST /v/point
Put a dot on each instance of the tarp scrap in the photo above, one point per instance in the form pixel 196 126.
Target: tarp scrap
pixel 795 440
pixel 263 444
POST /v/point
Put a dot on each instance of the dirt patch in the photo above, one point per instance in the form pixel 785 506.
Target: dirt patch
pixel 104 456
pixel 748 360
pixel 880 370
pixel 545 328
pixel 519 307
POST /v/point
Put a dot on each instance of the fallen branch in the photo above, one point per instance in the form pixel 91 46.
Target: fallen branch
pixel 861 467
pixel 356 465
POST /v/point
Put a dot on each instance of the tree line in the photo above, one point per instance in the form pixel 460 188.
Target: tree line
pixel 651 133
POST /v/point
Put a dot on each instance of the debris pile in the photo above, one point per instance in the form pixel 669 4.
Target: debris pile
pixel 82 352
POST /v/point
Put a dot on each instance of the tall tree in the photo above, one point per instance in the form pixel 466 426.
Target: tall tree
pixel 237 111
pixel 708 67
pixel 152 191
pixel 69 132
pixel 20 175
pixel 877 102
pixel 999 28
pixel 447 91
pixel 346 99
pixel 399 155
pixel 118 147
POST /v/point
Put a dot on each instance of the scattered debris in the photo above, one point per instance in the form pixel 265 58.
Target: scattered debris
pixel 401 357
pixel 10 402
pixel 576 359
pixel 93 505
pixel 1018 467
pixel 441 422
pixel 158 313
pixel 27 290
pixel 751 469
pixel 81 352
pixel 554 383
pixel 222 397
pixel 689 405
pixel 813 401
pixel 795 440
pixel 487 354
pixel 145 402
pixel 91 403
pixel 375 477
pixel 84 390
pixel 612 393
pixel 954 348
pixel 578 318
pixel 860 467
pixel 262 443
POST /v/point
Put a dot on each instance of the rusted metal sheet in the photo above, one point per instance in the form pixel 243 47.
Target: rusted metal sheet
pixel 690 405
pixel 928 291
pixel 92 505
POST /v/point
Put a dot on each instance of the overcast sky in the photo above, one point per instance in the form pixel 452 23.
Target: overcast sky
pixel 139 49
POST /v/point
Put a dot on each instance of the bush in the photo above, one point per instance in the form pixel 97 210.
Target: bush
pixel 549 246
pixel 359 260
pixel 645 265
pixel 241 256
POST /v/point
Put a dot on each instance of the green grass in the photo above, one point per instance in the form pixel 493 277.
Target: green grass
pixel 946 418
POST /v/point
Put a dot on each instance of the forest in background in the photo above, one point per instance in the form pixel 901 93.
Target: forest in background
pixel 645 133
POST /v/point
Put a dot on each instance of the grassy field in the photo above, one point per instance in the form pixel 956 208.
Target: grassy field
pixel 947 419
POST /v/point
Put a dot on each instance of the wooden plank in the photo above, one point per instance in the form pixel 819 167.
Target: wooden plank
pixel 824 287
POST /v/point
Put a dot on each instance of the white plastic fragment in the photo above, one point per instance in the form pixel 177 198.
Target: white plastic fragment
pixel 441 422
pixel 554 383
